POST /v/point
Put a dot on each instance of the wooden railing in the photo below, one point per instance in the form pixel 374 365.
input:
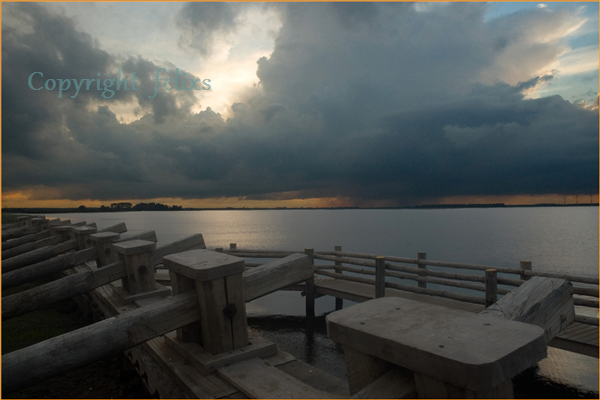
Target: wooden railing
pixel 484 278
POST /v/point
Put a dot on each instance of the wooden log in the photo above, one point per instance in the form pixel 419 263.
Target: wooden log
pixel 585 302
pixel 190 243
pixel 47 268
pixel 19 232
pixel 586 291
pixel 258 255
pixel 27 247
pixel 339 302
pixel 33 237
pixel 63 230
pixel 14 225
pixel 41 254
pixel 150 236
pixel 525 266
pixel 446 282
pixel 118 228
pixel 60 289
pixel 276 275
pixel 94 342
pixel 310 287
pixel 545 302
pixel 232 246
pixel 583 319
pixel 380 277
pixel 491 287
pixel 422 256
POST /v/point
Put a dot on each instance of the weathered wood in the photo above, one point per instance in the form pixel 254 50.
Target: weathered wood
pixel 208 363
pixel 181 284
pixel 145 235
pixel 19 232
pixel 118 228
pixel 428 387
pixel 14 225
pixel 423 267
pixel 339 303
pixel 103 243
pixel 586 320
pixel 491 287
pixel 27 247
pixel 80 347
pixel 476 352
pixel 380 277
pixel 594 292
pixel 137 255
pixel 190 243
pixel 41 254
pixel 33 237
pixel 219 287
pixel 309 286
pixel 525 266
pixel 47 268
pixel 261 381
pixel 64 288
pixel 362 369
pixel 544 302
pixel 585 302
pixel 275 275
pixel 82 235
pixel 397 383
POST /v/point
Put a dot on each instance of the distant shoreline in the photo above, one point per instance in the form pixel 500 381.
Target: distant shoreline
pixel 420 207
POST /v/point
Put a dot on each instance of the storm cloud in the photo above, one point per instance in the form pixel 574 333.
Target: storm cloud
pixel 369 101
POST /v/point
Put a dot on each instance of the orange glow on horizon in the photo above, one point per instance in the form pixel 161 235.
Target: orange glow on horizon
pixel 27 199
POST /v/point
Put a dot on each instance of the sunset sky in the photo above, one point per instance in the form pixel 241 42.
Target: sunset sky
pixel 310 104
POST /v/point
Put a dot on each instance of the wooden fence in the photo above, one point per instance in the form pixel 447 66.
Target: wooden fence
pixel 373 269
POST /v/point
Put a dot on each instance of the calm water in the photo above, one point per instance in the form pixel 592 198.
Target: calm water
pixel 555 239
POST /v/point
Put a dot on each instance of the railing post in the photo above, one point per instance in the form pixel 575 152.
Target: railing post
pixel 23 221
pixel 491 287
pixel 137 255
pixel 219 249
pixel 310 287
pixel 82 234
pixel 525 266
pixel 65 230
pixel 379 276
pixel 232 246
pixel 422 256
pixel 42 222
pixel 218 281
pixel 339 303
pixel 103 243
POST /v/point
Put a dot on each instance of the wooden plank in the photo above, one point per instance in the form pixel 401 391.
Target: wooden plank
pixel 118 228
pixel 204 264
pixel 279 359
pixel 80 347
pixel 275 275
pixel 60 289
pixel 397 383
pixel 316 378
pixel 363 369
pixel 574 346
pixel 239 323
pixel 208 363
pixel 189 243
pixel 47 268
pixel 476 352
pixel 545 302
pixel 145 235
pixel 260 381
pixel 38 255
pixel 215 327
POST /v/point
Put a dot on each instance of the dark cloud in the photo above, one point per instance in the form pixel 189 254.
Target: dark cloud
pixel 365 101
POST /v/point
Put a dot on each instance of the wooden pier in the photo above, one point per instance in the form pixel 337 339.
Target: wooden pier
pixel 185 330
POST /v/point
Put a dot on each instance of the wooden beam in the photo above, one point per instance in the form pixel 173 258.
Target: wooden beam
pixel 60 289
pixel 47 268
pixel 94 342
pixel 275 275
pixel 118 228
pixel 19 232
pixel 397 383
pixel 189 243
pixel 33 237
pixel 545 302
pixel 38 255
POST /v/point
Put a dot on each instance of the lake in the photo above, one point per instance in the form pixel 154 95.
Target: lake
pixel 555 239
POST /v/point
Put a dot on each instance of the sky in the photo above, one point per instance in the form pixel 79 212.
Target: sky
pixel 299 104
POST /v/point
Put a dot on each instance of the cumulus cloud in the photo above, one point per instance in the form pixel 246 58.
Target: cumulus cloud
pixel 367 102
